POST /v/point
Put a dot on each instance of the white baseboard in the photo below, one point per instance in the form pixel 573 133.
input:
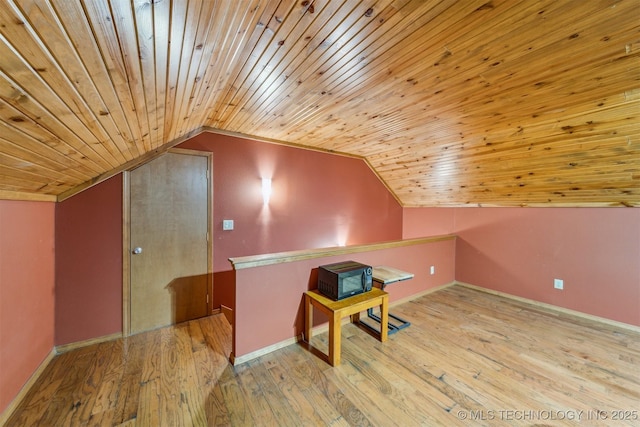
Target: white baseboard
pixel 79 344
pixel 228 313
pixel 4 416
pixel 420 294
pixel 556 308
pixel 261 352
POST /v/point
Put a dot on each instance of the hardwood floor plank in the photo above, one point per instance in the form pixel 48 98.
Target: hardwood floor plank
pixel 294 362
pixel 192 407
pixel 210 366
pixel 430 370
pixel 149 404
pixel 264 396
pixel 88 393
pixel 196 336
pixel 134 351
pixel 320 372
pixel 170 363
pixel 404 389
pixel 151 364
pixel 216 408
pixel 65 405
pixel 472 373
pixel 191 396
pixel 468 358
pixel 303 411
pixel 483 358
pixel 533 363
pixel 108 388
pixel 38 398
pixel 240 406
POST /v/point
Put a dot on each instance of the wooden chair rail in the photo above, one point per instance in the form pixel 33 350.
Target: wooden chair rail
pixel 292 256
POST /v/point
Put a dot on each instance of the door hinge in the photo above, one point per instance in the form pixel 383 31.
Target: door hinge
pixel 207 236
pixel 207 298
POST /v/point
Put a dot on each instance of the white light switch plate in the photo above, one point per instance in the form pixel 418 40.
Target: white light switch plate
pixel 227 224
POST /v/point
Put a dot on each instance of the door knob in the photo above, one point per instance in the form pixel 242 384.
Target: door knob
pixel 137 250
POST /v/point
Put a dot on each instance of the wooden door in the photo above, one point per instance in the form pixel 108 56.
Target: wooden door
pixel 169 248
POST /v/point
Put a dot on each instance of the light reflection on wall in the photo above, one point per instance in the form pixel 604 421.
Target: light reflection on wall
pixel 266 190
pixel 266 168
pixel 337 236
pixel 342 233
pixel 265 212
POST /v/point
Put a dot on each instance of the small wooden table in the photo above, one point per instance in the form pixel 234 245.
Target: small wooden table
pixel 336 310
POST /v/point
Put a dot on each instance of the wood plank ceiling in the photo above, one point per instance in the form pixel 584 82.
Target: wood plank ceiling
pixel 452 103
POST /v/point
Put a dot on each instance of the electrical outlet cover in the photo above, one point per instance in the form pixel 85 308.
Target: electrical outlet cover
pixel 558 283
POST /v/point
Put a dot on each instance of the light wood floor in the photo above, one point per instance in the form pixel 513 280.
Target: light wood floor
pixel 469 358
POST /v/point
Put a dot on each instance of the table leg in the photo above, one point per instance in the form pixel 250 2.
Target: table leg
pixel 334 339
pixel 308 318
pixel 384 318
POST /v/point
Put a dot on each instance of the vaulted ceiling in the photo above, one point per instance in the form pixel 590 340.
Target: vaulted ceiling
pixel 452 103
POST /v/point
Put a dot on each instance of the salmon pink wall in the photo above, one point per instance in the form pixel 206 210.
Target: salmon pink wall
pixel 26 292
pixel 421 222
pixel 519 251
pixel 318 200
pixel 346 203
pixel 269 305
pixel 89 263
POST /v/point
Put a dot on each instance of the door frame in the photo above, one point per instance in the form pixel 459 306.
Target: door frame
pixel 126 235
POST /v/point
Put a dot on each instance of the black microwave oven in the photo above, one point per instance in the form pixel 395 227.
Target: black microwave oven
pixel 344 279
